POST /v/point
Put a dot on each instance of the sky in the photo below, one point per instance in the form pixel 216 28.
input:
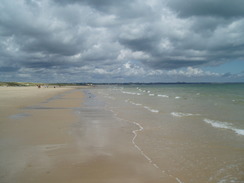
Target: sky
pixel 122 41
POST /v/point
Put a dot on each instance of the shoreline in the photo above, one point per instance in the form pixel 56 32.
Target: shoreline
pixel 66 135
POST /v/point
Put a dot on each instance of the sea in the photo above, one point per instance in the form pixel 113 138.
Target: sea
pixel 193 133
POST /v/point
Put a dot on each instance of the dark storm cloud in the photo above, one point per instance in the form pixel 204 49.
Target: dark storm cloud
pixel 105 4
pixel 86 38
pixel 139 44
pixel 220 8
pixel 174 64
pixel 48 45
pixel 125 9
pixel 8 69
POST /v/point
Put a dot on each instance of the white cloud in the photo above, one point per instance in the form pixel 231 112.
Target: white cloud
pixel 100 71
pixel 192 72
pixel 127 54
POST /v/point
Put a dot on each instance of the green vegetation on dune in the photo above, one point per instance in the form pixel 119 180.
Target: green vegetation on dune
pixel 17 84
pixel 36 84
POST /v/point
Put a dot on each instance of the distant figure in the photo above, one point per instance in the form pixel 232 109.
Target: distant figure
pixel 39 86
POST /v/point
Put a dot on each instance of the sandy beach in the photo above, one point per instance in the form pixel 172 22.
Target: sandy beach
pixel 62 135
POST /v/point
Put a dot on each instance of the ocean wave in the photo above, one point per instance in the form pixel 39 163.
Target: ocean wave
pixel 238 101
pixel 135 103
pixel 139 89
pixel 151 94
pixel 151 110
pixel 177 97
pixel 225 174
pixel 180 114
pixel 165 96
pixel 130 93
pixel 224 125
pixel 239 131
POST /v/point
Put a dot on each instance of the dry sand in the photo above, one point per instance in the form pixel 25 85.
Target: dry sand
pixel 43 140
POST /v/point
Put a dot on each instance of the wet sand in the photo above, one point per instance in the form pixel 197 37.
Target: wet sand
pixel 67 135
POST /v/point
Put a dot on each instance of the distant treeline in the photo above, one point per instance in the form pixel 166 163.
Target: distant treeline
pixel 18 84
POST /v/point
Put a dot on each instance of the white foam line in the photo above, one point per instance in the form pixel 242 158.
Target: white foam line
pixel 224 125
pixel 178 180
pixel 135 132
pixel 180 114
pixel 165 96
pixel 155 165
pixel 133 141
pixel 149 159
pixel 131 93
pixel 135 103
pixel 151 110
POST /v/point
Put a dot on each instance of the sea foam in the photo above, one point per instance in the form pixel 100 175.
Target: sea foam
pixel 165 96
pixel 133 103
pixel 130 93
pixel 224 125
pixel 151 110
pixel 180 114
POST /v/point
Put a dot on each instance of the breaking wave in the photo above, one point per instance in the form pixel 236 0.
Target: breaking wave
pixel 224 125
pixel 180 114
